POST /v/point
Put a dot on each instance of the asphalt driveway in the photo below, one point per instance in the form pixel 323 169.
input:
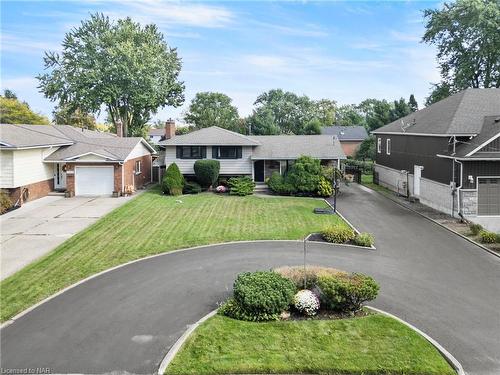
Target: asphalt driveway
pixel 126 319
pixel 39 226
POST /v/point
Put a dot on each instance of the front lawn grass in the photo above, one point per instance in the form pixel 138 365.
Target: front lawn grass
pixel 153 223
pixel 370 345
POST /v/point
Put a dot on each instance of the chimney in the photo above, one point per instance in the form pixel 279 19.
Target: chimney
pixel 119 128
pixel 169 129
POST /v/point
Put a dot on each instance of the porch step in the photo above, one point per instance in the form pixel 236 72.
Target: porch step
pixel 56 194
pixel 261 187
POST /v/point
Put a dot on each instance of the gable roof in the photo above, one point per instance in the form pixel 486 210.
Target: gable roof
pixel 346 133
pixel 460 114
pixel 473 148
pixel 156 131
pixel 292 146
pixel 74 142
pixel 210 136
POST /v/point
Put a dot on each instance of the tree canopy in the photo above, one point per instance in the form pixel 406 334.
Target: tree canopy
pixel 213 108
pixel 65 115
pixel 127 68
pixel 13 111
pixel 466 35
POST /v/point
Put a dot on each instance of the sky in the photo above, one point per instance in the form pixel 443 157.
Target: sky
pixel 345 51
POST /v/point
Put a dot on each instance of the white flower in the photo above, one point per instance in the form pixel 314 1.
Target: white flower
pixel 306 302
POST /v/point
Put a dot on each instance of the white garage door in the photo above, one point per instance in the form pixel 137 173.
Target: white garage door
pixel 94 180
pixel 488 197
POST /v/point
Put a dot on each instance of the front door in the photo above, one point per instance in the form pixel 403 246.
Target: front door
pixel 258 171
pixel 59 177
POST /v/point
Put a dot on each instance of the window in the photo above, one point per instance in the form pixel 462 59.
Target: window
pixel 379 145
pixel 191 152
pixel 138 166
pixel 227 152
pixel 388 146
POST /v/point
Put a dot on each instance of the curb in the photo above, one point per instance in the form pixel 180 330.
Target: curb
pixel 434 221
pixel 178 344
pixel 31 308
pixel 446 354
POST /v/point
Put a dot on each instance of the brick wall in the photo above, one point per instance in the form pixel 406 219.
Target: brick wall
pixel 141 179
pixel 70 175
pixel 350 148
pixel 36 190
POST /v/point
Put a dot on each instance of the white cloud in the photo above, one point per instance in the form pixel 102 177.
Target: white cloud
pixel 405 37
pixel 308 30
pixel 13 43
pixel 265 61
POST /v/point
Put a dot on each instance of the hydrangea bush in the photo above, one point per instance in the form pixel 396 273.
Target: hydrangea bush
pixel 221 189
pixel 306 302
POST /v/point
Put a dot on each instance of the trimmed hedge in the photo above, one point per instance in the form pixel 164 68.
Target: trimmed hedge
pixel 347 293
pixel 259 296
pixel 338 234
pixel 278 185
pixel 173 180
pixel 241 186
pixel 207 172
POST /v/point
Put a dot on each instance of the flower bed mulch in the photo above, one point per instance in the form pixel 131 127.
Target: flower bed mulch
pixel 329 315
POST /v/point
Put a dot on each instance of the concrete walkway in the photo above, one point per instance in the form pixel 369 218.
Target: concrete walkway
pixel 128 318
pixel 41 225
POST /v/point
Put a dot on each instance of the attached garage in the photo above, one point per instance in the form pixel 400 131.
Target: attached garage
pixel 94 180
pixel 488 196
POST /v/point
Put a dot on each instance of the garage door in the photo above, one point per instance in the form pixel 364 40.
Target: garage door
pixel 94 180
pixel 488 196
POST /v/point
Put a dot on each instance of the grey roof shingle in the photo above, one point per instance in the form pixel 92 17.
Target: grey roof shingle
pixel 293 146
pixel 346 133
pixel 210 136
pixel 75 141
pixel 459 114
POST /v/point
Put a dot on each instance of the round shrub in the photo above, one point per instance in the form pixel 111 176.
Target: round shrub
pixel 304 175
pixel 263 293
pixel 207 172
pixel 346 293
pixel 173 181
pixel 487 237
pixel 306 302
pixel 325 188
pixel 241 186
pixel 233 309
pixel 475 229
pixel 364 239
pixel 191 188
pixel 338 234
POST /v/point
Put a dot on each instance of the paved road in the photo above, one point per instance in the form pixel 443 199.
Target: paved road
pixel 39 226
pixel 125 320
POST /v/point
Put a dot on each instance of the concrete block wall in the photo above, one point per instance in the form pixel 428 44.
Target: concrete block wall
pixel 468 201
pixel 437 196
pixel 393 179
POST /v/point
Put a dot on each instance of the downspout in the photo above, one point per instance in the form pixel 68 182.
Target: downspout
pixel 123 187
pixel 459 186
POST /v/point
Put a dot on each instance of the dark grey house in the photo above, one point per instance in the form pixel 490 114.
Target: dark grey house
pixel 447 155
pixel 350 137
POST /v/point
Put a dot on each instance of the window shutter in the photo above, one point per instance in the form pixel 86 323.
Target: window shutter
pixel 178 150
pixel 203 152
pixel 239 152
pixel 215 151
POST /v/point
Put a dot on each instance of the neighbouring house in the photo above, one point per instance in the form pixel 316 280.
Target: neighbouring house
pixel 447 155
pixel 247 155
pixel 38 159
pixel 350 137
pixel 156 135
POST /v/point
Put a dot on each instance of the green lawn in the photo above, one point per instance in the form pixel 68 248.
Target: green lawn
pixel 153 223
pixel 367 180
pixel 371 345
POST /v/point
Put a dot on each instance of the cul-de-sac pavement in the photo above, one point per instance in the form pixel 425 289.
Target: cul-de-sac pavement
pixel 126 319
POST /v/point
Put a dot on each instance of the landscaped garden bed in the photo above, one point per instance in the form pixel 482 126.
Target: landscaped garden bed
pixel 269 327
pixel 153 223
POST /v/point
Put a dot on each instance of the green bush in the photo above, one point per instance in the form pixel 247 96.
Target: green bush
pixel 191 187
pixel 346 293
pixel 263 295
pixel 207 172
pixel 279 185
pixel 5 202
pixel 173 181
pixel 233 309
pixel 364 239
pixel 296 274
pixel 304 175
pixel 241 186
pixel 325 188
pixel 365 166
pixel 475 228
pixel 487 237
pixel 338 234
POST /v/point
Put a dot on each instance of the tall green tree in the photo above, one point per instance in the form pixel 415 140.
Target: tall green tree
pixel 466 34
pixel 126 68
pixel 377 112
pixel 366 149
pixel 412 103
pixel 324 110
pixel 13 111
pixel 439 92
pixel 213 108
pixel 262 122
pixel 66 115
pixel 349 115
pixel 400 109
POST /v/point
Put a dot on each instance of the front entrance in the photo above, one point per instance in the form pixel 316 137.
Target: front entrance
pixel 258 171
pixel 59 177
